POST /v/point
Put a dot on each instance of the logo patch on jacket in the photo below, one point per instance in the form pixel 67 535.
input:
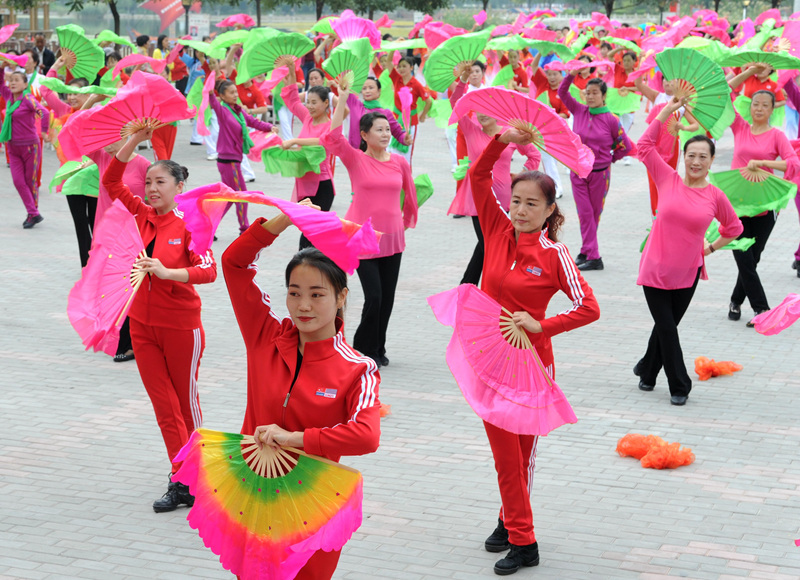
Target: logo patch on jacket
pixel 536 270
pixel 174 242
pixel 327 393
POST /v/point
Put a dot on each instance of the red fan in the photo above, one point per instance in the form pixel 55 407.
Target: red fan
pixel 549 132
pixel 100 300
pixel 137 59
pixel 496 366
pixel 147 101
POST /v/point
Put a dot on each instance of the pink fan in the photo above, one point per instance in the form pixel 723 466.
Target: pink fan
pixel 540 34
pixel 175 52
pixel 275 78
pixel 647 65
pixel 354 28
pixel 745 30
pixel 202 129
pixel 600 19
pixel 420 25
pixel 100 300
pixel 543 14
pixel 342 241
pixel 242 20
pixel 146 101
pixel 437 32
pixel 502 30
pixel 773 13
pixel 785 76
pixel 7 32
pixel 480 17
pixel 631 33
pixel 384 22
pixel 496 367
pixel 549 132
pixel 779 318
pixel 70 148
pixel 136 59
pixel 578 65
pixel 406 100
pixel 789 41
pixel 261 141
pixel 14 59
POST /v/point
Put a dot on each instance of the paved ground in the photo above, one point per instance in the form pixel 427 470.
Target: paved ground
pixel 82 458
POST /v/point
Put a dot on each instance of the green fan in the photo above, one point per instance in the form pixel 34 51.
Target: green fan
pixel 505 76
pixel 324 26
pixel 462 168
pixel 754 192
pixel 411 43
pixel 514 42
pixel 85 181
pixel 205 48
pixel 228 39
pixel 83 57
pixel 440 68
pixel 580 43
pixel 576 94
pixel 108 36
pixel 620 104
pixel 195 98
pixel 713 49
pixel 387 90
pixel 424 187
pixel 293 162
pixel 67 170
pixel 546 47
pixel 776 60
pixel 741 244
pixel 262 50
pixel 57 86
pixel 761 36
pixel 626 44
pixel 354 56
pixel 699 80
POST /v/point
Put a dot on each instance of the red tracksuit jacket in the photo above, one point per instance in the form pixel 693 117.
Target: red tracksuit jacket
pixel 335 398
pixel 525 274
pixel 164 303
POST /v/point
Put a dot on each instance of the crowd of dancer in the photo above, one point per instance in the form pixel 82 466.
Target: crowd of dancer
pixel 372 137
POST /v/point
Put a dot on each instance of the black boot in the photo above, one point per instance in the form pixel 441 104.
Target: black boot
pixel 498 541
pixel 177 495
pixel 516 558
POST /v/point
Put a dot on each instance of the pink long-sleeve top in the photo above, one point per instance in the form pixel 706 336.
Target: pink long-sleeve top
pixel 770 145
pixel 54 103
pixel 230 141
pixel 134 177
pixel 24 129
pixel 602 133
pixel 307 185
pixel 674 249
pixel 477 141
pixel 376 189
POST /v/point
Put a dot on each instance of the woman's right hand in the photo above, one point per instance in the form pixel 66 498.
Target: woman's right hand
pixel 140 136
pixel 59 64
pixel 462 71
pixel 308 203
pixel 512 135
pixel 288 144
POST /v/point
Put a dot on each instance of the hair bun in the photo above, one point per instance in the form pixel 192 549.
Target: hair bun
pixel 185 173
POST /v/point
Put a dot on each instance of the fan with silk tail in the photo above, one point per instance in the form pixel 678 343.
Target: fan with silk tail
pixel 702 83
pixel 146 102
pixel 779 318
pixel 424 187
pixel 775 60
pixel 293 162
pixel 342 241
pixel 86 181
pixel 109 36
pixel 265 511
pixel 58 86
pixel 206 48
pixel 754 192
pixel 626 44
pixel 100 300
pixel 548 131
pixel 324 25
pixel 228 39
pixel 392 45
pixel 202 110
pixel 741 244
pixel 496 367
pixel 136 59
pixel 67 170
pixel 83 58
pixel 265 46
pixel 353 56
pixel 442 62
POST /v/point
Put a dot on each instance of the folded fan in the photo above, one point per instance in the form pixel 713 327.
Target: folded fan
pixel 67 170
pixel 293 162
pixel 264 46
pixel 341 240
pixel 354 56
pixel 549 131
pixel 775 60
pixel 83 58
pixel 109 36
pixel 754 192
pixel 349 29
pixel 441 64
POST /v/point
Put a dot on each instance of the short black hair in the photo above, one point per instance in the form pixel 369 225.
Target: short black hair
pixel 698 139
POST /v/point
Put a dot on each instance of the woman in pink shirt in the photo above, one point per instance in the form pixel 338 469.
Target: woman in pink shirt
pixel 757 146
pixel 377 177
pixel 673 258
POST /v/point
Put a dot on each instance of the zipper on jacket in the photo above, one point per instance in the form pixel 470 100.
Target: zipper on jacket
pixel 289 393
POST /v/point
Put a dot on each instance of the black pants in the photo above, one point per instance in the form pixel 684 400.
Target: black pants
pixel 379 281
pixel 472 275
pixel 83 209
pixel 125 344
pixel 667 308
pixel 324 199
pixel 748 284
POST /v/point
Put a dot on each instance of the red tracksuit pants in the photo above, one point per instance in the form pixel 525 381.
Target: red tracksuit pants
pixel 672 162
pixel 321 566
pixel 168 361
pixel 514 461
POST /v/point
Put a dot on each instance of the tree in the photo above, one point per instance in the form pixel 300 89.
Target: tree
pixel 369 7
pixel 77 6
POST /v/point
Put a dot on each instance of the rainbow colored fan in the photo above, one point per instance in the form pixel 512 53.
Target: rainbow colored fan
pixel 265 512
pixel 496 367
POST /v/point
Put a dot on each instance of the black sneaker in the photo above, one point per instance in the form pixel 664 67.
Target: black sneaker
pixel 642 385
pixel 591 265
pixel 580 259
pixel 32 221
pixel 383 360
pixel 177 495
pixel 734 311
pixel 516 558
pixel 751 323
pixel 498 541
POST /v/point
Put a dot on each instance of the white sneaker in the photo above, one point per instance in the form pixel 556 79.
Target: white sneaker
pixel 559 194
pixel 627 161
pixel 212 157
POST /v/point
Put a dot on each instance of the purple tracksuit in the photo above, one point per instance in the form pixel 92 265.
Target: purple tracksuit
pixel 24 151
pixel 230 149
pixel 604 135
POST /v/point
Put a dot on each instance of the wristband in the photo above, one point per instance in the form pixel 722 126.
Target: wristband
pixel 711 247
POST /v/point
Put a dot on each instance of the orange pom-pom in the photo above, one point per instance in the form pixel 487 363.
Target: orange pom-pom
pixel 635 445
pixel 386 410
pixel 667 456
pixel 707 368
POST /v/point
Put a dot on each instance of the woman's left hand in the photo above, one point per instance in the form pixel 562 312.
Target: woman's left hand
pixel 288 144
pixel 275 436
pixel 526 321
pixel 755 164
pixel 153 266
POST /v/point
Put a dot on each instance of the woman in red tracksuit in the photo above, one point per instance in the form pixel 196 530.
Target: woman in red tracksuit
pixel 523 267
pixel 306 387
pixel 165 325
